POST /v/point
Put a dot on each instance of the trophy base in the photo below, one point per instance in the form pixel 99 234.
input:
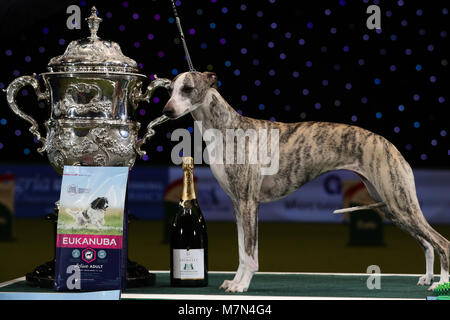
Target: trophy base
pixel 43 276
pixel 139 276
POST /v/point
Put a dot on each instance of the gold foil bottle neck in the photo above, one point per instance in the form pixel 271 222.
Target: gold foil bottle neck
pixel 188 192
pixel 188 163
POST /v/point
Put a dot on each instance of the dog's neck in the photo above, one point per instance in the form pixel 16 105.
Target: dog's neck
pixel 214 112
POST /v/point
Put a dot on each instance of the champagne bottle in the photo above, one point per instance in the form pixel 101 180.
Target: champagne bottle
pixel 189 238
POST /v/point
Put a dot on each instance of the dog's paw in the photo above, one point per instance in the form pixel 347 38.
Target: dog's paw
pixel 231 286
pixel 237 287
pixel 433 286
pixel 425 280
pixel 226 284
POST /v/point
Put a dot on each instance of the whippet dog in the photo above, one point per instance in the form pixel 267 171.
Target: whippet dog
pixel 306 150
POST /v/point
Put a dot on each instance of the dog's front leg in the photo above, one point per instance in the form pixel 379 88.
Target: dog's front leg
pixel 247 227
pixel 99 224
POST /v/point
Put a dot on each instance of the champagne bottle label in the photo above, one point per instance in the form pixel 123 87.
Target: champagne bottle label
pixel 188 264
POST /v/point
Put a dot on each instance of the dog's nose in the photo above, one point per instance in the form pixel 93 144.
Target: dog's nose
pixel 169 113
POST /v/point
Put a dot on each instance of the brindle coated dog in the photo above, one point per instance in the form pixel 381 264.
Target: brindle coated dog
pixel 306 150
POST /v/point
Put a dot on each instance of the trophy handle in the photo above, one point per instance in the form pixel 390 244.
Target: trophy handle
pixel 158 82
pixel 11 93
pixel 150 132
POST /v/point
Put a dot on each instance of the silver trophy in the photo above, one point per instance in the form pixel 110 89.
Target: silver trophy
pixel 93 90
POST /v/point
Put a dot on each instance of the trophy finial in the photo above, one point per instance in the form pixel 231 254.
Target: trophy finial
pixel 93 22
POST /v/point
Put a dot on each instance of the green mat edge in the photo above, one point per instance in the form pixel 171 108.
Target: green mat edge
pixel 301 284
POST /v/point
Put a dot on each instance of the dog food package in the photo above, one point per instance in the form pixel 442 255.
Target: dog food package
pixel 91 231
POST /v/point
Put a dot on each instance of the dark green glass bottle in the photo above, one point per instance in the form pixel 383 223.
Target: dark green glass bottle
pixel 188 237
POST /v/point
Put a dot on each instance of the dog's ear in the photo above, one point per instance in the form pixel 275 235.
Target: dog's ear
pixel 95 203
pixel 98 203
pixel 212 79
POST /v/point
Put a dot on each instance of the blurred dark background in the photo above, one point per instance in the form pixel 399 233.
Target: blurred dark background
pixel 277 60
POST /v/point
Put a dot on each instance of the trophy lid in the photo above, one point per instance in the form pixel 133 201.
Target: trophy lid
pixel 92 54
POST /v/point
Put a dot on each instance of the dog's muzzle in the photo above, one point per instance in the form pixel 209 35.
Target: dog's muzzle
pixel 170 113
pixel 169 110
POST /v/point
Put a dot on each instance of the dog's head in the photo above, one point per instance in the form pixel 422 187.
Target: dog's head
pixel 188 91
pixel 101 203
pixel 88 255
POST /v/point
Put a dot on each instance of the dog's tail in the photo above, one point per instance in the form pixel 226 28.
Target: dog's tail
pixel 369 206
pixel 71 212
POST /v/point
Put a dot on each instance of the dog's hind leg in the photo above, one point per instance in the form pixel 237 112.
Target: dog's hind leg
pixel 397 191
pixel 426 279
pixel 247 226
pixel 442 246
pixel 429 239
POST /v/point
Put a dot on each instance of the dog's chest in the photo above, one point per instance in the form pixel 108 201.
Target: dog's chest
pixel 95 215
pixel 221 176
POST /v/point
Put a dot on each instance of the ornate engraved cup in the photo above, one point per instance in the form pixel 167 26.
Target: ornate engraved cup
pixel 93 91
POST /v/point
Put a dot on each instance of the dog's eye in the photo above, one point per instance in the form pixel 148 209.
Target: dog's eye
pixel 187 89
